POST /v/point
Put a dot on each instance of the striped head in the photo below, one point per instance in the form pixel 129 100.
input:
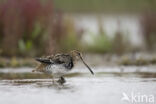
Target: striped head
pixel 77 55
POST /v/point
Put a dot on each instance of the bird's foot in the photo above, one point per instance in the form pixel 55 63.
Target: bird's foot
pixel 61 80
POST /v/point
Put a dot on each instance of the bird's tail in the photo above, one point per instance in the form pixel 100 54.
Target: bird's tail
pixel 39 68
pixel 43 60
pixel 34 70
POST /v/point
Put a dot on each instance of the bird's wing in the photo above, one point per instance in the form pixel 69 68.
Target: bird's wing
pixel 44 60
pixel 57 59
pixel 66 60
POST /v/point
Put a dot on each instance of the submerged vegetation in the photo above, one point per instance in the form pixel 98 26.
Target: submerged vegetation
pixel 13 76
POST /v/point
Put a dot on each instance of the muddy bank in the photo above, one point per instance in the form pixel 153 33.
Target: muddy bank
pixel 137 59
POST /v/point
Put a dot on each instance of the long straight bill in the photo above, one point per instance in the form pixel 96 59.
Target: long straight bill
pixel 87 66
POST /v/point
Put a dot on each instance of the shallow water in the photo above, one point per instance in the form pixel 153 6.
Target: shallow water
pixel 87 89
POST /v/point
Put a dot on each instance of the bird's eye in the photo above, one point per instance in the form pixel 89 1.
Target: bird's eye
pixel 77 53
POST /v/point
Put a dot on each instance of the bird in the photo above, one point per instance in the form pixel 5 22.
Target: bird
pixel 60 64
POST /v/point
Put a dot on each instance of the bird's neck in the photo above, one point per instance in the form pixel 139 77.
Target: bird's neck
pixel 73 57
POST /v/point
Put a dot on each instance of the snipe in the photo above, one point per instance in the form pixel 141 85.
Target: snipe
pixel 58 65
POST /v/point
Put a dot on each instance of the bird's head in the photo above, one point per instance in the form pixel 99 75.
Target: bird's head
pixel 77 55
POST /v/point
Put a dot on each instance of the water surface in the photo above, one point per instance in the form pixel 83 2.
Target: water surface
pixel 103 88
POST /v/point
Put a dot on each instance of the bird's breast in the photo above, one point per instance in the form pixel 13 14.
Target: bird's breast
pixel 57 70
pixel 69 65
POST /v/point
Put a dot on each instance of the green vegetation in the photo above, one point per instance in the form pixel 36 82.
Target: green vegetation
pixel 42 28
pixel 127 61
pixel 149 30
pixel 22 75
pixel 105 5
pixel 101 44
pixel 16 62
pixel 23 28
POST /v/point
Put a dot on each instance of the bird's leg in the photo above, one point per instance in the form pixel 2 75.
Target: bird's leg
pixel 53 81
pixel 61 80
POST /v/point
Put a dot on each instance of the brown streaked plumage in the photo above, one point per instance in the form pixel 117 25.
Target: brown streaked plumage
pixel 59 64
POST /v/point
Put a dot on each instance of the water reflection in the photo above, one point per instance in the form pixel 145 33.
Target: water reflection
pixel 55 86
pixel 38 83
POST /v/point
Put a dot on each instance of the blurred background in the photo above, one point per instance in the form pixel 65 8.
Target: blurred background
pixel 123 30
pixel 117 39
pixel 42 27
